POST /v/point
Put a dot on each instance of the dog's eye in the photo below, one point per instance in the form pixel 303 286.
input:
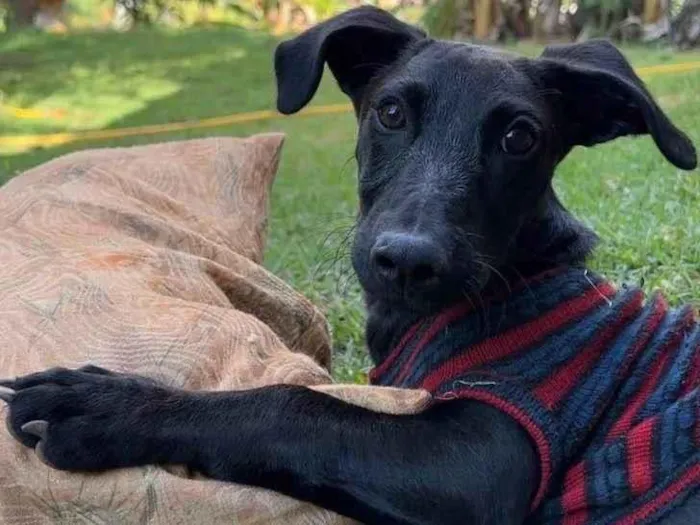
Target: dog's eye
pixel 391 115
pixel 519 139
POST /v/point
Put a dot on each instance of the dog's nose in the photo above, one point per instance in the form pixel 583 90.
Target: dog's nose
pixel 409 258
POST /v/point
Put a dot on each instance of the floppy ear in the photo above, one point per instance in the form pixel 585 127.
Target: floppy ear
pixel 602 98
pixel 355 44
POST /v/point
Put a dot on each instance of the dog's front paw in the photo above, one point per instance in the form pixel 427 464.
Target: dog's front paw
pixel 87 419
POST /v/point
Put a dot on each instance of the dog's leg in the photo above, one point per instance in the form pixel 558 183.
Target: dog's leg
pixel 460 462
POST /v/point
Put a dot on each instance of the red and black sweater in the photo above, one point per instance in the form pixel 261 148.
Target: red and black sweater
pixel 606 384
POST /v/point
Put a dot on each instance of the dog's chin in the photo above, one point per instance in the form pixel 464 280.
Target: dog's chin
pixel 426 300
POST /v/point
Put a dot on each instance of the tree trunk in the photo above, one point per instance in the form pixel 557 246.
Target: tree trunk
pixel 50 16
pixel 482 19
pixel 281 17
pixel 523 19
pixel 516 18
pixel 498 27
pixel 551 18
pixel 685 28
pixel 546 23
pixel 129 13
pixel 652 11
pixel 22 13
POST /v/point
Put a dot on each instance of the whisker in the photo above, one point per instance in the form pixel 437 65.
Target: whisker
pixel 479 260
pixel 346 164
pixel 480 310
pixel 334 254
pixel 524 281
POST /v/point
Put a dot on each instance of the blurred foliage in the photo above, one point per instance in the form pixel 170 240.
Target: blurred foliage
pixel 547 20
pixel 179 12
pixel 441 17
pixel 505 20
pixel 236 12
pixel 124 14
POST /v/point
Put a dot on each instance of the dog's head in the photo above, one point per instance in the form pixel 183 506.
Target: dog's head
pixel 457 147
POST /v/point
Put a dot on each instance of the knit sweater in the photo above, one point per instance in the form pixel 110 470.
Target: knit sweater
pixel 605 383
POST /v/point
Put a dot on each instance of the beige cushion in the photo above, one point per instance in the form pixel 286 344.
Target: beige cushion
pixel 147 260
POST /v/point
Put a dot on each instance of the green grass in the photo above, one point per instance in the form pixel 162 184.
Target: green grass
pixel 646 211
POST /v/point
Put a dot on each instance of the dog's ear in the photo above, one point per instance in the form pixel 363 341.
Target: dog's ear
pixel 601 98
pixel 355 44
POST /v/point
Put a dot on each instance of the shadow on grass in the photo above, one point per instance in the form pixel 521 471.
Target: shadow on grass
pixel 44 62
pixel 114 80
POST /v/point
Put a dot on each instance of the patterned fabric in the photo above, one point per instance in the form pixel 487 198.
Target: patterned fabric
pixel 147 260
pixel 605 384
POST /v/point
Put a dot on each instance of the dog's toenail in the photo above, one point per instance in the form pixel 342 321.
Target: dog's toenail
pixel 36 428
pixel 7 394
pixel 40 454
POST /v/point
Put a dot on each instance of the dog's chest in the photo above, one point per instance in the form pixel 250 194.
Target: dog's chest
pixel 605 383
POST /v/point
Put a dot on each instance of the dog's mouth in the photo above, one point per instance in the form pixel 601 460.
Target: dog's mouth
pixel 429 296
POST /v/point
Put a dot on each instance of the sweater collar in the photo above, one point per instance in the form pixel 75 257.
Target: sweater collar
pixel 485 330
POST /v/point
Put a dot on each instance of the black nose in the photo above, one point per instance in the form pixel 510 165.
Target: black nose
pixel 409 258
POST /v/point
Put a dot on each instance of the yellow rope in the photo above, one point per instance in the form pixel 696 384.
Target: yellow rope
pixel 57 139
pixel 33 114
pixel 662 69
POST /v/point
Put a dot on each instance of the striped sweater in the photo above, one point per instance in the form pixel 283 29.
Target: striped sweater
pixel 605 383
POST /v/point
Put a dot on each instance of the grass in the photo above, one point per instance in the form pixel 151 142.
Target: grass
pixel 646 211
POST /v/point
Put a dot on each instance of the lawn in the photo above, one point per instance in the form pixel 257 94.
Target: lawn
pixel 646 211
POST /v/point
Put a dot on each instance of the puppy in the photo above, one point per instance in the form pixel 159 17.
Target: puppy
pixel 557 398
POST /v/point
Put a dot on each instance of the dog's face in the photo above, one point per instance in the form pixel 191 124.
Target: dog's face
pixel 458 143
pixel 455 147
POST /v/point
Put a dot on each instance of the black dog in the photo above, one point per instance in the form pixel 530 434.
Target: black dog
pixel 456 151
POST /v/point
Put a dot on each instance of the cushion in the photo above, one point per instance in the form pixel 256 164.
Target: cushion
pixel 148 260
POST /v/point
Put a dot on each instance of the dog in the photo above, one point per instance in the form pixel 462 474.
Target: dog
pixel 558 398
